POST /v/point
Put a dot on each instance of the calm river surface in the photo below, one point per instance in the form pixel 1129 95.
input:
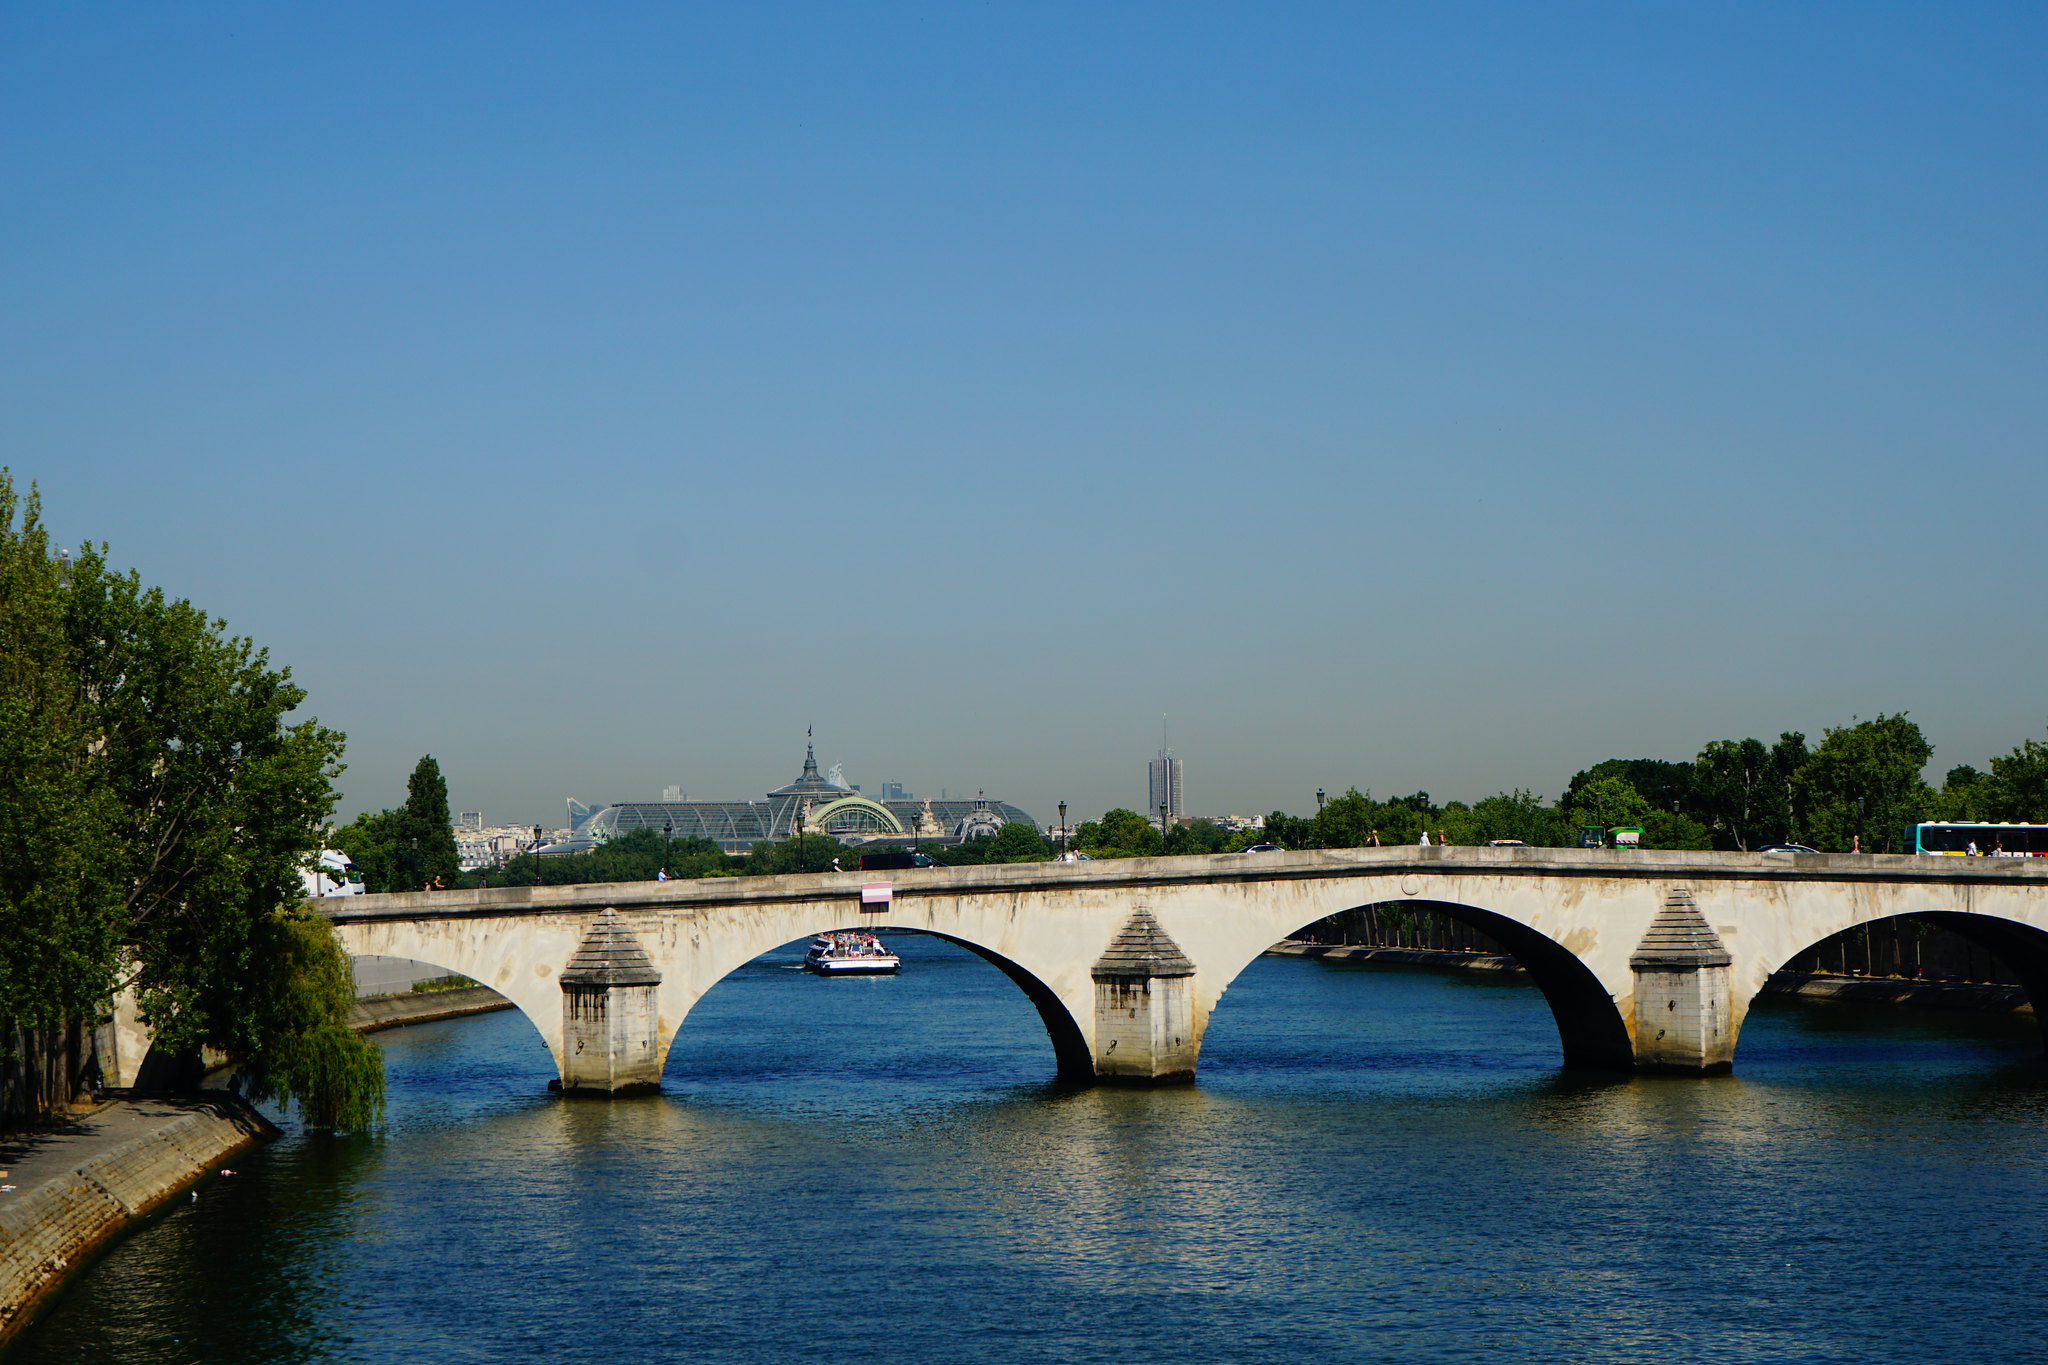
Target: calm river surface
pixel 1377 1165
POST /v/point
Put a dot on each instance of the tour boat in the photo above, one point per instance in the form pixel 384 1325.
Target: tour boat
pixel 850 954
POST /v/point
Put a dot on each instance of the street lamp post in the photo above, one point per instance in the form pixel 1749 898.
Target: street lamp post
pixel 1162 827
pixel 536 855
pixel 668 843
pixel 1063 828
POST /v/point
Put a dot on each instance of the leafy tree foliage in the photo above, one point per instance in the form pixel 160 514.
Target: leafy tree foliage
pixel 1612 801
pixel 371 841
pixel 425 832
pixel 1863 783
pixel 1511 815
pixel 1665 785
pixel 1119 833
pixel 160 782
pixel 2019 784
pixel 1197 836
pixel 410 848
pixel 812 853
pixel 1015 842
pixel 636 856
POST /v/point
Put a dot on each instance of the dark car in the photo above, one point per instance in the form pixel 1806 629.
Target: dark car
pixel 1787 848
pixel 891 859
pixel 1263 848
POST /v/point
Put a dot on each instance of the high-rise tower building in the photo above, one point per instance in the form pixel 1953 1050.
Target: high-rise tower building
pixel 1165 789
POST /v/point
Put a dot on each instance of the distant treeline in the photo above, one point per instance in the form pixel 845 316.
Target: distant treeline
pixel 1860 787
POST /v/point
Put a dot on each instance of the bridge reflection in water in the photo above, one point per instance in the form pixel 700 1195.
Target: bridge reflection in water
pixel 1378 1164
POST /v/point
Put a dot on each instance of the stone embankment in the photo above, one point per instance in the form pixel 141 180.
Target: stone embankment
pixel 76 1187
pixel 421 1007
pixel 1405 957
pixel 1981 996
pixel 71 1189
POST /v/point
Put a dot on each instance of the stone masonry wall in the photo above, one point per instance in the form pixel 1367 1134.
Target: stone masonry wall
pixel 46 1231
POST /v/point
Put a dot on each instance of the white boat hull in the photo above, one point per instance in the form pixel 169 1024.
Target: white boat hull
pixel 854 966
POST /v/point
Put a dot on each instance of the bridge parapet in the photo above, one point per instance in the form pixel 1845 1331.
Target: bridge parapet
pixel 1648 958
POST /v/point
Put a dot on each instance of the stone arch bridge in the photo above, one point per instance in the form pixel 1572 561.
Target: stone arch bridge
pixel 1649 959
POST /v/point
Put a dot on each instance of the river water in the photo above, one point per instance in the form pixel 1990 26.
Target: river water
pixel 1378 1164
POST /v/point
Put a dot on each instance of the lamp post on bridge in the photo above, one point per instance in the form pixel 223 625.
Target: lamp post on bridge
pixel 536 855
pixel 1063 829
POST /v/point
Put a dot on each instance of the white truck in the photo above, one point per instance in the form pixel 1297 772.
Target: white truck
pixel 330 873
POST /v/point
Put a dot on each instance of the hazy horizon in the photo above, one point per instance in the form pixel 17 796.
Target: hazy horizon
pixel 1442 398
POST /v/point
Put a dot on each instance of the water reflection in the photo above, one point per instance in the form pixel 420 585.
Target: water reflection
pixel 1377 1165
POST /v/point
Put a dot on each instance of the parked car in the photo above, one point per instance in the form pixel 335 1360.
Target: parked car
pixel 1787 848
pixel 1505 843
pixel 1263 848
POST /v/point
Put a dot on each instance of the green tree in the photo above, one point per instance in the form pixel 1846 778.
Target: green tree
pixel 1739 794
pixel 1119 833
pixel 1016 842
pixel 1665 785
pixel 425 835
pixel 1675 829
pixel 1966 794
pixel 2019 784
pixel 1347 821
pixel 1517 815
pixel 1863 783
pixel 636 856
pixel 1288 831
pixel 371 843
pixel 1197 836
pixel 193 805
pixel 1788 756
pixel 60 897
pixel 1610 801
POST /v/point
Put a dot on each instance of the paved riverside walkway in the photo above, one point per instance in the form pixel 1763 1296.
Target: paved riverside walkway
pixel 81 1183
pixel 34 1159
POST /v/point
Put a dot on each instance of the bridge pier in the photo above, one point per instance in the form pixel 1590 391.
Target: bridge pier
pixel 610 1021
pixel 1144 1008
pixel 1684 1002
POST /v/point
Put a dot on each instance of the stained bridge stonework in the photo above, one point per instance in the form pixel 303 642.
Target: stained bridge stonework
pixel 1649 959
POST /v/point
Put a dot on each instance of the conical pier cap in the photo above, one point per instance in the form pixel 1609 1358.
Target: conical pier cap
pixel 1143 949
pixel 610 956
pixel 1680 937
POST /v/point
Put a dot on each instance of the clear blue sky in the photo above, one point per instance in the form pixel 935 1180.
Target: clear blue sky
pixel 1441 396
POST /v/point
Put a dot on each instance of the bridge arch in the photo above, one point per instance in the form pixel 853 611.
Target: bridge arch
pixel 1592 1033
pixel 2020 946
pixel 463 948
pixel 1073 1059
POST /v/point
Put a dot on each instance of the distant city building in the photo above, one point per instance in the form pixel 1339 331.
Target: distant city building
pixel 470 819
pixel 1237 823
pixel 813 804
pixel 1163 773
pixel 491 847
pixel 672 793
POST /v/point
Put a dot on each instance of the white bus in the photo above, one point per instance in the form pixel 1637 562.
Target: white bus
pixel 1961 838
